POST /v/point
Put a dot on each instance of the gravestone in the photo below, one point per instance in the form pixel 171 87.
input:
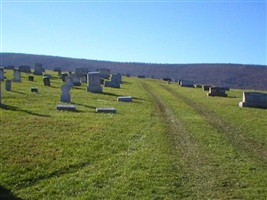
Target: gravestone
pixel 10 67
pixel 69 81
pixel 76 80
pixel 104 73
pixel 46 81
pixel 167 79
pixel 254 99
pixel 84 78
pixel 63 76
pixel 125 99
pixel 216 91
pixel 115 81
pixel 141 76
pixel 82 70
pixel 93 82
pixel 106 110
pixel 65 95
pixel 34 89
pixel 2 74
pixel 25 69
pixel 67 107
pixel 185 83
pixel 17 76
pixel 38 69
pixel 8 85
pixel 57 69
pixel 206 87
pixel 31 78
pixel 128 75
pixel 47 75
pixel 0 93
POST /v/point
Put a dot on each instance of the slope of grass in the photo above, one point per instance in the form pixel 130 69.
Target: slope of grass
pixel 169 143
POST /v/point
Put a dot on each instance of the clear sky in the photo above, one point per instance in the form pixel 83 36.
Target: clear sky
pixel 138 31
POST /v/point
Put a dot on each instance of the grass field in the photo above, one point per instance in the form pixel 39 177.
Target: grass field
pixel 169 143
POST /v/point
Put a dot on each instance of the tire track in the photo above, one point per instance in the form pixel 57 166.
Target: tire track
pixel 196 162
pixel 234 135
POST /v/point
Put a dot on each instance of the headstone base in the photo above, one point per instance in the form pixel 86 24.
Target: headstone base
pixel 106 110
pixel 217 94
pixel 94 89
pixel 67 107
pixel 125 99
pixel 254 105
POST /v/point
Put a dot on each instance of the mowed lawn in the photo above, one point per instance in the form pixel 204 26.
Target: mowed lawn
pixel 169 143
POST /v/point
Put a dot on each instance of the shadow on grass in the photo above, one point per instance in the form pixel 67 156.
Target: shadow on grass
pixel 18 92
pixel 7 194
pixel 78 88
pixel 13 108
pixel 111 94
pixel 57 173
pixel 93 107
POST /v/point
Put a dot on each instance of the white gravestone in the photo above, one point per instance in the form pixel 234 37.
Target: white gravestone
pixel 17 76
pixel 93 82
pixel 65 96
pixel 254 99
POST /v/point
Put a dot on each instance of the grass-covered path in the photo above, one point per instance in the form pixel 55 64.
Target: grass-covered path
pixel 221 158
pixel 169 143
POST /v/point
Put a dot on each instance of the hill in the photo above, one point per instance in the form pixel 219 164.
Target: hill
pixel 227 75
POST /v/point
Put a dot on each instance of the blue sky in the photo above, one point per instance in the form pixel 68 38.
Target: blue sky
pixel 138 31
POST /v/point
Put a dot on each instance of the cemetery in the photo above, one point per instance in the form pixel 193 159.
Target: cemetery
pixel 145 139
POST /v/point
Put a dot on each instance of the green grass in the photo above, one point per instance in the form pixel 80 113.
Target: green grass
pixel 169 143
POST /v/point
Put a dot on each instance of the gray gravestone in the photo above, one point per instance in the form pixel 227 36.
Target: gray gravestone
pixel 25 69
pixel 63 76
pixel 65 96
pixel 185 83
pixel 31 78
pixel 0 92
pixel 69 81
pixel 46 81
pixel 8 85
pixel 206 87
pixel 1 74
pixel 93 82
pixel 38 69
pixel 76 80
pixel 216 91
pixel 17 76
pixel 84 78
pixel 104 73
pixel 254 99
pixel 115 81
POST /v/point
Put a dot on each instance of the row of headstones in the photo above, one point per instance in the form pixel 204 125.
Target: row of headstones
pixel 38 69
pixel 250 99
pixel 94 85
